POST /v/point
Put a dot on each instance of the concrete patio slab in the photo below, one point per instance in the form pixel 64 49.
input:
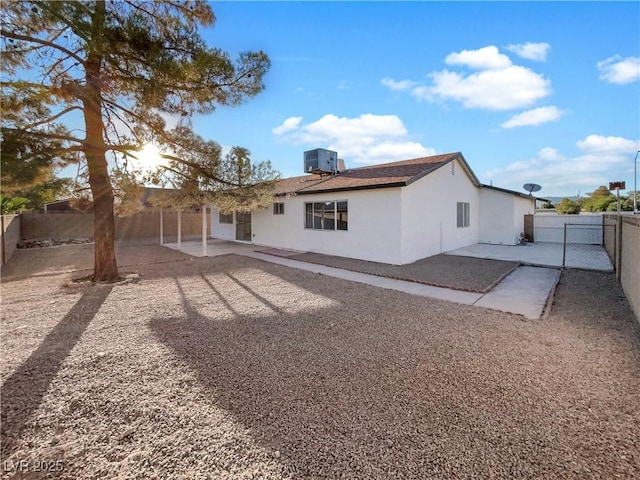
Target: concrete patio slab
pixel 215 247
pixel 590 257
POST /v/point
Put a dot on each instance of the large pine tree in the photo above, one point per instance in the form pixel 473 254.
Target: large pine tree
pixel 111 71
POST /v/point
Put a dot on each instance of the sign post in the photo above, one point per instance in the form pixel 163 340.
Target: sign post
pixel 617 186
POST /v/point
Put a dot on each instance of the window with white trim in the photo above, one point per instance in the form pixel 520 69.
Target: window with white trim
pixel 463 214
pixel 225 218
pixel 278 208
pixel 326 215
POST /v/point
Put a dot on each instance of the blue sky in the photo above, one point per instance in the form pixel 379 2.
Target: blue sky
pixel 540 92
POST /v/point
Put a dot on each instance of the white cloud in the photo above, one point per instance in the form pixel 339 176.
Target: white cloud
pixel 536 116
pixel 618 70
pixel 602 144
pixel 503 89
pixel 289 124
pixel 486 58
pixel 605 159
pixel 549 153
pixel 397 85
pixel 530 50
pixel 498 85
pixel 366 139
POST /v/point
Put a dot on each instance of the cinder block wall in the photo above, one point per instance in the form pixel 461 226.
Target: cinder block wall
pixel 10 236
pixel 610 226
pixel 630 262
pixel 41 226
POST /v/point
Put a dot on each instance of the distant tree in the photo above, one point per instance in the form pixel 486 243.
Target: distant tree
pixel 567 206
pixel 600 192
pixel 547 205
pixel 115 68
pixel 599 200
pixel 627 202
pixel 12 204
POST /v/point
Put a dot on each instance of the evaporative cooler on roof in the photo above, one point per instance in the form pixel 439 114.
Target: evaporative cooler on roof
pixel 320 160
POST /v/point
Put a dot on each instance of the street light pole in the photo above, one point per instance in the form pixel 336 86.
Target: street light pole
pixel 635 184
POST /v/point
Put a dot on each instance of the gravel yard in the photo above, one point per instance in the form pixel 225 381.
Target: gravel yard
pixel 449 271
pixel 230 367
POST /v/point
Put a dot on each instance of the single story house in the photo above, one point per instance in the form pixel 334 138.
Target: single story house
pixel 393 213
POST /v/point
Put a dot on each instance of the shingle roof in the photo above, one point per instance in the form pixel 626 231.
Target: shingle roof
pixel 294 184
pixel 395 174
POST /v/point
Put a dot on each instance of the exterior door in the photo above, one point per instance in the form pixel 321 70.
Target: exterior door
pixel 243 226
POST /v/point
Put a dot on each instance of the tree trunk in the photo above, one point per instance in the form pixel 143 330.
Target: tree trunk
pixel 105 268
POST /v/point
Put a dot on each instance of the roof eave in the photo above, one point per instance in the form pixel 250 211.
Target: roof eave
pixel 348 189
pixel 513 192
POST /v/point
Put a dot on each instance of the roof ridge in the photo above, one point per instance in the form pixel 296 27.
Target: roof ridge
pixel 401 162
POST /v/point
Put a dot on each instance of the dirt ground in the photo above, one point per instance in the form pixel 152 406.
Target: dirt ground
pixel 230 367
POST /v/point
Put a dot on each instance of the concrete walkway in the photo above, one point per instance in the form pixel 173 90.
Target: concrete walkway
pixel 524 291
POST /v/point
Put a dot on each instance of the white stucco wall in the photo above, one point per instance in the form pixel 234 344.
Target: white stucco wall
pixel 502 216
pixel 497 211
pixel 394 225
pixel 429 213
pixel 373 230
pixel 224 231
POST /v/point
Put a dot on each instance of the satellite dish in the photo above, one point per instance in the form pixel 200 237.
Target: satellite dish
pixel 531 187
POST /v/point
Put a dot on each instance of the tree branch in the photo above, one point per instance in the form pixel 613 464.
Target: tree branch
pixel 44 134
pixel 17 36
pixel 195 166
pixel 52 118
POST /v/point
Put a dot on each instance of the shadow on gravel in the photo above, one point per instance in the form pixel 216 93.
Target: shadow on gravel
pixel 23 391
pixel 338 392
pixel 52 261
pixel 357 388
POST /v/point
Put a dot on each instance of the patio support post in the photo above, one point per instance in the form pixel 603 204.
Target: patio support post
pixel 161 227
pixel 179 228
pixel 204 230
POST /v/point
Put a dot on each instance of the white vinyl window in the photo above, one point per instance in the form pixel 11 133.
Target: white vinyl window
pixel 326 215
pixel 278 208
pixel 463 214
pixel 225 218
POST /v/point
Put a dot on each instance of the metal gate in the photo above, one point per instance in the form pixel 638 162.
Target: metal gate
pixel 550 228
pixel 582 246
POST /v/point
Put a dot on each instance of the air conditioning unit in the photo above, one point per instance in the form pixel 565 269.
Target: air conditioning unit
pixel 320 160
